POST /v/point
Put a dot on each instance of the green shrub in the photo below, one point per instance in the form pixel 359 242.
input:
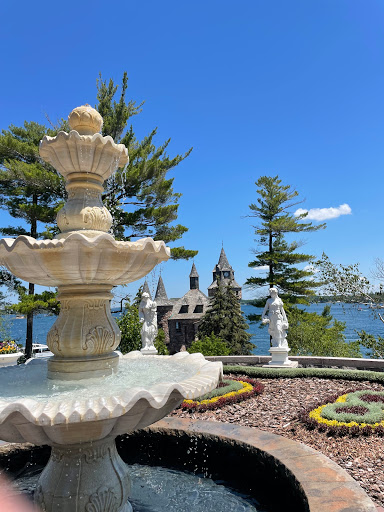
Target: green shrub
pixel 210 346
pixel 291 373
pixel 318 335
pixel 159 343
pixel 130 327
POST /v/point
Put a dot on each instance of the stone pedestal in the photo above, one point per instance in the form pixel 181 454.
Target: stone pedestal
pixel 86 477
pixel 280 358
pixel 85 334
pixel 149 351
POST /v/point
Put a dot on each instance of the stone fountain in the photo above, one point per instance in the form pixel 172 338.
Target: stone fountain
pixel 86 394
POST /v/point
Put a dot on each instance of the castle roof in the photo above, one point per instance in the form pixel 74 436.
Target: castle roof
pixel 161 296
pixel 225 282
pixel 146 289
pixel 223 263
pixel 193 271
pixel 185 308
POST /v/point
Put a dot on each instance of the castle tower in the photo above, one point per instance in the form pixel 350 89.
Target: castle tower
pixel 224 273
pixel 193 279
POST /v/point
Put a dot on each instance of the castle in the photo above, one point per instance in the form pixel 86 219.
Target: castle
pixel 180 318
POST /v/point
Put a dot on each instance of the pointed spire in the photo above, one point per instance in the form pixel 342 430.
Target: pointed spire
pixel 193 278
pixel 223 261
pixel 161 294
pixel 146 289
pixel 193 271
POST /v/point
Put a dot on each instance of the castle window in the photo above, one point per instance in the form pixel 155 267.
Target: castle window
pixel 178 327
pixel 184 309
pixel 198 308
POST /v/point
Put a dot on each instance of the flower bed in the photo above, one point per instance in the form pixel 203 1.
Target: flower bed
pixel 354 413
pixel 222 396
pixel 8 347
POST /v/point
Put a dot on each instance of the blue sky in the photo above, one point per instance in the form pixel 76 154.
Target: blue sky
pixel 256 87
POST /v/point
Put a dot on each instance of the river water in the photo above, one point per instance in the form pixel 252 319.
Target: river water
pixel 356 318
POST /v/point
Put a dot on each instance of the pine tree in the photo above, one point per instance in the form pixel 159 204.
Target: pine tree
pixel 225 320
pixel 30 189
pixel 140 197
pixel 276 220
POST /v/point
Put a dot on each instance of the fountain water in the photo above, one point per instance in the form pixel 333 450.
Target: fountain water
pixel 89 394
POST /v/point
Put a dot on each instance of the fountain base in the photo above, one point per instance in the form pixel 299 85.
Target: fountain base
pixel 77 368
pixel 86 477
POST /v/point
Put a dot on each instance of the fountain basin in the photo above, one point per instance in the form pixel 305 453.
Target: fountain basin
pixel 63 412
pixel 79 259
pixel 275 470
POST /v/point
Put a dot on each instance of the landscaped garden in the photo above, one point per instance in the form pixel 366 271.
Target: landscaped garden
pixel 339 413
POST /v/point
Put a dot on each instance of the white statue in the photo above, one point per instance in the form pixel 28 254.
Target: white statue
pixel 148 317
pixel 275 316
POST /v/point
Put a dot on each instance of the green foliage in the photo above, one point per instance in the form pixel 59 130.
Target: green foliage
pixel 375 346
pixel 275 221
pixel 210 346
pixel 318 335
pixel 348 284
pixel 35 303
pixel 160 344
pixel 345 282
pixel 229 387
pixel 304 373
pixel 140 197
pixel 225 320
pixel 130 327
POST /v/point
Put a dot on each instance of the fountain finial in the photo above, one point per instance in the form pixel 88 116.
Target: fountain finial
pixel 85 120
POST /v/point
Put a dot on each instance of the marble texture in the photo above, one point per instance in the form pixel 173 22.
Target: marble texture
pixel 79 259
pixel 82 419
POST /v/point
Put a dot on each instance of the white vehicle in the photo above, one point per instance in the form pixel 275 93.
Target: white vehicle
pixel 41 350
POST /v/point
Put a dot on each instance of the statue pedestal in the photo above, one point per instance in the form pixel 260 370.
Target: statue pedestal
pixel 280 358
pixel 148 351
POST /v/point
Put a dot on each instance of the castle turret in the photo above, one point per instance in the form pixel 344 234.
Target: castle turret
pixel 193 279
pixel 224 274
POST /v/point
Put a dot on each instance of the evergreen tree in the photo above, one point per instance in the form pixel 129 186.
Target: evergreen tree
pixel 31 190
pixel 275 221
pixel 140 197
pixel 225 320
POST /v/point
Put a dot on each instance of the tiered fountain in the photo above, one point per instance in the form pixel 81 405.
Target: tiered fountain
pixel 86 394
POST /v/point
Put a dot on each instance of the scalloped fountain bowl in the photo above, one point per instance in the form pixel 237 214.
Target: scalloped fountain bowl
pixel 80 420
pixel 79 259
pixel 144 389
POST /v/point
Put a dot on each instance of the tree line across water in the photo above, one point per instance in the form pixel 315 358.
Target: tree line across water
pixel 142 202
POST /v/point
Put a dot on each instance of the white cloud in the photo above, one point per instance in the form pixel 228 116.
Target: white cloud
pixel 263 267
pixel 325 213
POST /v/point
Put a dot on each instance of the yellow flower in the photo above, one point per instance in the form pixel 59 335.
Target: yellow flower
pixel 246 388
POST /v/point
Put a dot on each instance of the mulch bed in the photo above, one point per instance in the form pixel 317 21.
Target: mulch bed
pixel 277 409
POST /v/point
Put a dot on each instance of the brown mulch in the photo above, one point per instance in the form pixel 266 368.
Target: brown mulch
pixel 276 410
